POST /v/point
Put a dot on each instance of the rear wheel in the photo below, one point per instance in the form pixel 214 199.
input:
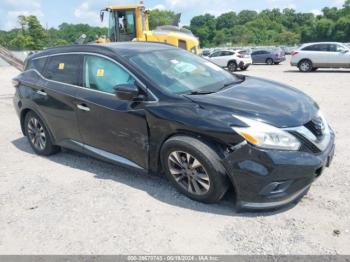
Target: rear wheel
pixel 269 61
pixel 194 169
pixel 38 136
pixel 232 66
pixel 305 66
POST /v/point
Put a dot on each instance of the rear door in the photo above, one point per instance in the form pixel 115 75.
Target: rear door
pixel 318 54
pixel 111 128
pixel 56 95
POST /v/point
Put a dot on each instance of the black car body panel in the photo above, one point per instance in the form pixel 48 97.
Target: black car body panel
pixel 133 132
pixel 273 103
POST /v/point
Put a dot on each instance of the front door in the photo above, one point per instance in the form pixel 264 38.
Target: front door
pixel 339 56
pixel 111 128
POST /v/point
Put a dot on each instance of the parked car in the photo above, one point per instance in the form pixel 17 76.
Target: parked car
pixel 232 60
pixel 269 57
pixel 310 57
pixel 157 108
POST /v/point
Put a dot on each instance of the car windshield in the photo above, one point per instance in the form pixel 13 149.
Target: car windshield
pixel 181 72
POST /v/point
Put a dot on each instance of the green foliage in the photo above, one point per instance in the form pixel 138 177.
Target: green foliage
pixel 33 36
pixel 160 17
pixel 273 27
pixel 269 27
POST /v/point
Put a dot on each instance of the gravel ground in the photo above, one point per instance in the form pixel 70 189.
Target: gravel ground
pixel 73 204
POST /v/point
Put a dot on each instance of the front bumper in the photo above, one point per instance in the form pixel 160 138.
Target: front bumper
pixel 268 179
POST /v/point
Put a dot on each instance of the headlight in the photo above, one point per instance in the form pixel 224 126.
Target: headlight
pixel 266 136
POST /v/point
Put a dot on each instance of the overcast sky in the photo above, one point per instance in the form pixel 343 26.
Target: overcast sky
pixel 52 13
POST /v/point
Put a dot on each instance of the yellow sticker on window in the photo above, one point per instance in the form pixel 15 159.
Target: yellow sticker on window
pixel 100 72
pixel 61 66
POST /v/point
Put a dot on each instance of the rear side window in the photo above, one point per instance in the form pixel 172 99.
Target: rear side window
pixel 318 47
pixel 64 68
pixel 228 53
pixel 216 54
pixel 37 64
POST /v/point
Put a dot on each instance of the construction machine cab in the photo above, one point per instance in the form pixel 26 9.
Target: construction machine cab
pixel 130 23
pixel 126 23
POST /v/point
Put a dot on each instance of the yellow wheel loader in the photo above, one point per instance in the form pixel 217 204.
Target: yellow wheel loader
pixel 130 23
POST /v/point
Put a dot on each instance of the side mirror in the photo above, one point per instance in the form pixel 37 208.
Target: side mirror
pixel 126 91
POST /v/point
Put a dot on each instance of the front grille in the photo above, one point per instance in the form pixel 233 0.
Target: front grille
pixel 316 126
pixel 306 145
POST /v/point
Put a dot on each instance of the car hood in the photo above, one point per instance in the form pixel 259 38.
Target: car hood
pixel 271 102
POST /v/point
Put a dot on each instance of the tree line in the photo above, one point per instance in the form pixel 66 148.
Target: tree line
pixel 273 27
pixel 247 27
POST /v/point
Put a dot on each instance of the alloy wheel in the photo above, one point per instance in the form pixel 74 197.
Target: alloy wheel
pixel 36 133
pixel 269 61
pixel 305 66
pixel 189 173
pixel 232 67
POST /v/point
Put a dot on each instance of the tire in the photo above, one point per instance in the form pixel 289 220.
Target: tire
pixel 314 69
pixel 38 135
pixel 305 66
pixel 232 66
pixel 269 61
pixel 277 63
pixel 243 68
pixel 181 150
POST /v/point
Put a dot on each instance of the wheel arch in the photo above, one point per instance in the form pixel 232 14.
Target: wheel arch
pixel 218 148
pixel 232 60
pixel 23 115
pixel 305 59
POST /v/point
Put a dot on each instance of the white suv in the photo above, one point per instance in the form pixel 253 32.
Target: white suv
pixel 231 59
pixel 310 57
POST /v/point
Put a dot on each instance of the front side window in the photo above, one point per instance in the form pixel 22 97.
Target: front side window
pixel 178 72
pixel 64 68
pixel 103 75
pixel 337 48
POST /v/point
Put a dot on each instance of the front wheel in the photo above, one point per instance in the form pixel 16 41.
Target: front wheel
pixel 269 61
pixel 194 169
pixel 232 66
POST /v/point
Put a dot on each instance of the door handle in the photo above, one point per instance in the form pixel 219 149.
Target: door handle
pixel 41 92
pixel 83 107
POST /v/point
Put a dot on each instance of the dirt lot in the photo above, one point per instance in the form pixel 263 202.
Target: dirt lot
pixel 72 204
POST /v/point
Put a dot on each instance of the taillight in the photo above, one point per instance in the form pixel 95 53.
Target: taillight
pixel 295 53
pixel 15 83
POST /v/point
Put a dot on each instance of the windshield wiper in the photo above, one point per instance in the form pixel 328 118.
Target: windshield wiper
pixel 200 93
pixel 231 83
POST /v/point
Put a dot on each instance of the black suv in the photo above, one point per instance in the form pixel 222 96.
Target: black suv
pixel 157 108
